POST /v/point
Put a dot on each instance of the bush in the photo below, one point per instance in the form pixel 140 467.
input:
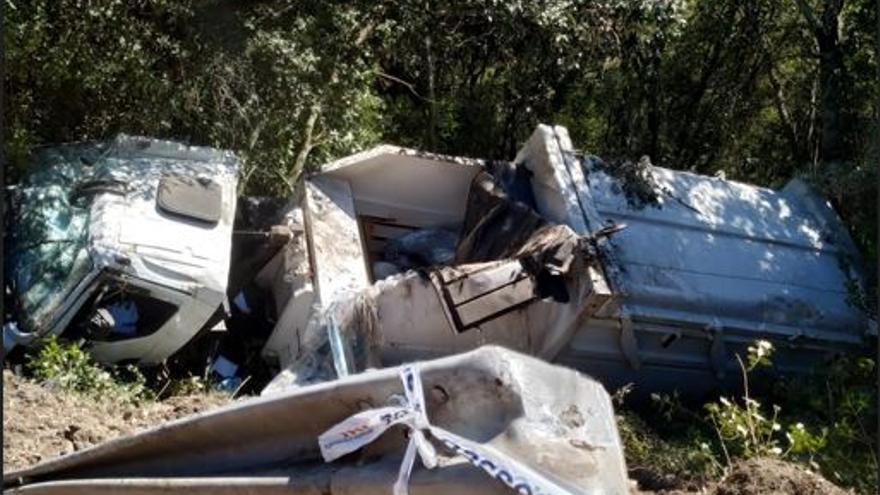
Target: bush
pixel 746 430
pixel 842 403
pixel 827 422
pixel 67 366
pixel 661 461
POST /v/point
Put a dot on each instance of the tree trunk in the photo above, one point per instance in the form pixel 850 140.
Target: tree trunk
pixel 302 155
pixel 432 96
pixel 788 123
pixel 831 74
pixel 831 79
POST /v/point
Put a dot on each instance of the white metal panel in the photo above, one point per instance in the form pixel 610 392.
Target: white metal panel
pixel 709 268
pixel 337 251
pixel 170 250
pixel 407 186
pixel 729 253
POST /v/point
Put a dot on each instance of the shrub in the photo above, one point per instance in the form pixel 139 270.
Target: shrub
pixel 672 457
pixel 826 421
pixel 66 365
pixel 844 403
pixel 828 424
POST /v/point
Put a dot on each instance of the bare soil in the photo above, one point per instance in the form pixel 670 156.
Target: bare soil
pixel 774 477
pixel 40 422
pixel 754 477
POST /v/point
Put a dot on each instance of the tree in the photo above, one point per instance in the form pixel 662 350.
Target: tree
pixel 825 28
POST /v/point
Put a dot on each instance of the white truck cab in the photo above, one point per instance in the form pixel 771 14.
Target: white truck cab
pixel 125 243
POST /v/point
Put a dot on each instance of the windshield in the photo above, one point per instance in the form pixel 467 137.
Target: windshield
pixel 46 238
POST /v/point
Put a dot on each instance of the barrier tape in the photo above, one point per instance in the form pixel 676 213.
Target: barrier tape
pixel 364 427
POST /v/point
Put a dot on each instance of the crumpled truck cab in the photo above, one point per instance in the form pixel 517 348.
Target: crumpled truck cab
pixel 125 243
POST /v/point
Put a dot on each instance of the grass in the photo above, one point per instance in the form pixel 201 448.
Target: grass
pixel 669 459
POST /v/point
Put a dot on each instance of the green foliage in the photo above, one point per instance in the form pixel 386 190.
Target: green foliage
pixel 842 404
pixel 68 366
pixel 674 455
pixel 802 442
pixel 758 355
pixel 746 430
pixel 271 80
pixel 827 422
pixel 188 385
pixel 696 84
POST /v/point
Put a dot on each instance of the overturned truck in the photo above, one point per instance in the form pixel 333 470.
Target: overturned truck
pixel 632 273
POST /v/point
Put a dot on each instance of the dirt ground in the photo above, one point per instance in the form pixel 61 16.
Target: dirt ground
pixel 754 477
pixel 40 423
pixel 774 477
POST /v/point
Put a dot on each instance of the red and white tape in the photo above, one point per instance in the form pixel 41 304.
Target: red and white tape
pixel 364 427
